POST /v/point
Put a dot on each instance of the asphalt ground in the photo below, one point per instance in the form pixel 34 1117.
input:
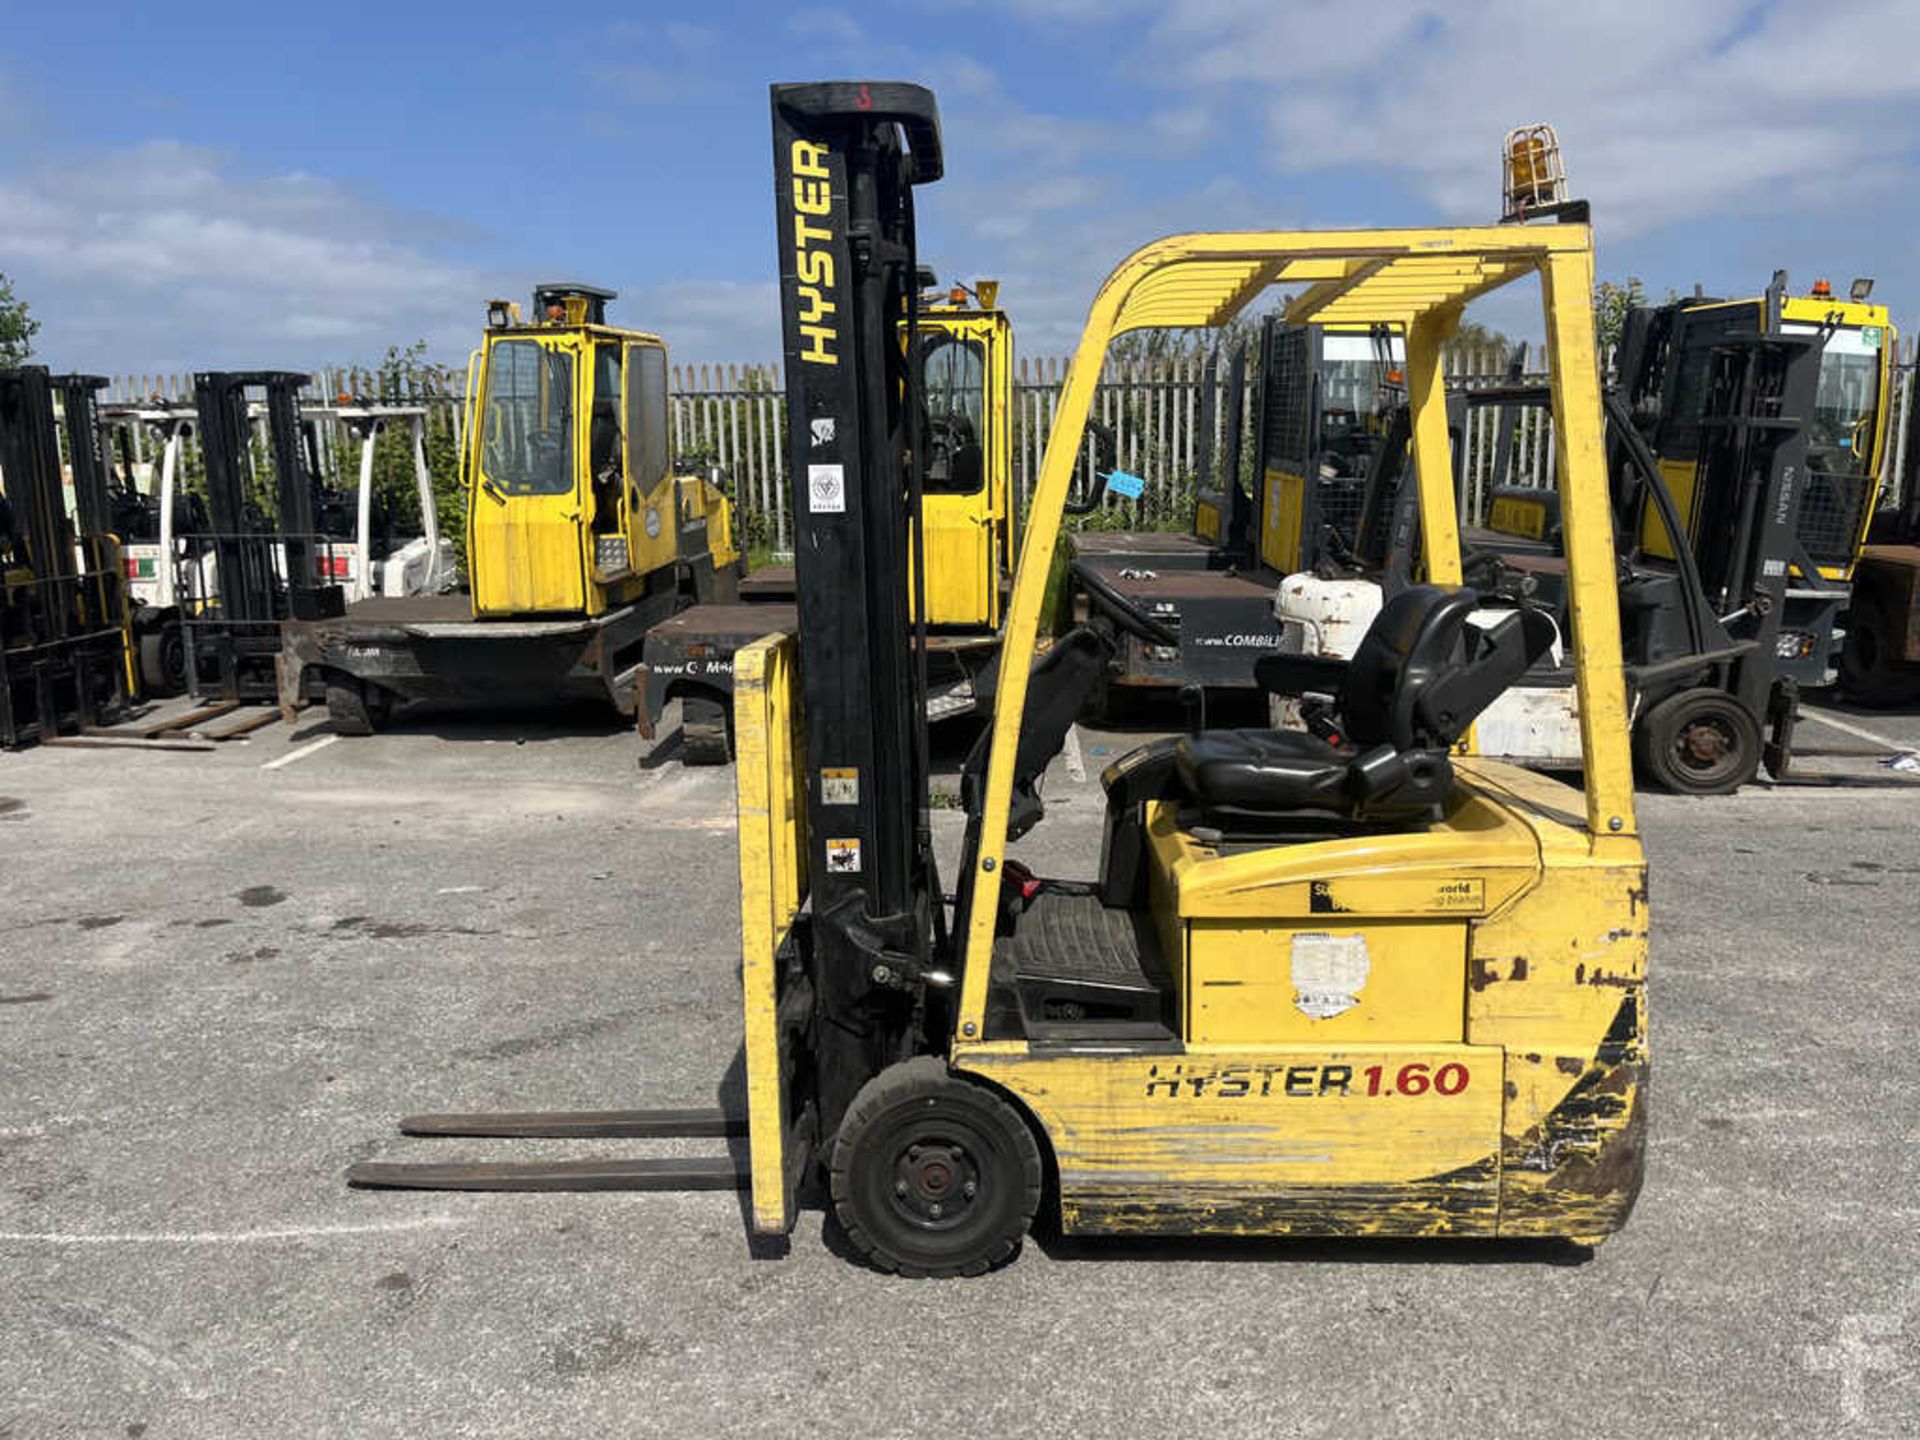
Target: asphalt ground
pixel 225 974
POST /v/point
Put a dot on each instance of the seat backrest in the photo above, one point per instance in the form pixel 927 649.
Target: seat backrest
pixel 1415 633
pixel 1423 673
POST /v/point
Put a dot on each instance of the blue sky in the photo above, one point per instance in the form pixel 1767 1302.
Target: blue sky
pixel 217 185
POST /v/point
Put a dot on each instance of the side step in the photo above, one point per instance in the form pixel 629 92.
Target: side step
pixel 700 1172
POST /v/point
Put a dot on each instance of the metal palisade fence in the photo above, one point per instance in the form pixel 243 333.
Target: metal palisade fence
pixel 734 416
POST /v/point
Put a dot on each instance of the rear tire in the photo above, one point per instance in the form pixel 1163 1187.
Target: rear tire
pixel 1699 742
pixel 934 1175
pixel 706 731
pixel 1871 671
pixel 355 707
pixel 163 661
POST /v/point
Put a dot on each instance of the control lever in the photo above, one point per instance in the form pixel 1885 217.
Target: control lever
pixel 1316 713
pixel 1193 698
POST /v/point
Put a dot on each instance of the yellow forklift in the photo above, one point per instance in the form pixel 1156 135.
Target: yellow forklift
pixel 964 356
pixel 579 537
pixel 1368 985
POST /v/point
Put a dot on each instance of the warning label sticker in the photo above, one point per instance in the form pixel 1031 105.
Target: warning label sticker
pixel 1329 972
pixel 827 489
pixel 843 856
pixel 840 787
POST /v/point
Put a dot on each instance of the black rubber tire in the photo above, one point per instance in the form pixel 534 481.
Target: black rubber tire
pixel 1699 742
pixel 1871 670
pixel 706 731
pixel 163 661
pixel 915 1137
pixel 355 707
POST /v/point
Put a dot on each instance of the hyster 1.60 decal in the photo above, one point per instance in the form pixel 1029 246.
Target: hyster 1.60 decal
pixel 1305 1082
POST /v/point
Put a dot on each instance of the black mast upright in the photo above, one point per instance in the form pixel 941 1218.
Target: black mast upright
pixel 846 159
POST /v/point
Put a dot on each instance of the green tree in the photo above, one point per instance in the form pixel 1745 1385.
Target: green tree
pixel 406 376
pixel 17 326
pixel 1611 303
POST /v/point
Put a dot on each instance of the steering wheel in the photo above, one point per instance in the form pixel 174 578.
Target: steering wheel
pixel 1125 612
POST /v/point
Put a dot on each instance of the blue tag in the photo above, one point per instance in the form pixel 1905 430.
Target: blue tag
pixel 1121 483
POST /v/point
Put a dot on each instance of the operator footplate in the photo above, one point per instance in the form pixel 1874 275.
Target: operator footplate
pixel 1078 969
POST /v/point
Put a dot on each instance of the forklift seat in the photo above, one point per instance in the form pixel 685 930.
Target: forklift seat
pixel 1418 679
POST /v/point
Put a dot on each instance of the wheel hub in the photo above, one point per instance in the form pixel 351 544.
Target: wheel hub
pixel 1704 743
pixel 935 1183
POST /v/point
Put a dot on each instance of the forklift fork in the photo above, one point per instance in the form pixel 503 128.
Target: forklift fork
pixel 699 1172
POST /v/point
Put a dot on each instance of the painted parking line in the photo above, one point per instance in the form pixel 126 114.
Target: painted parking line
pixel 1076 763
pixel 301 753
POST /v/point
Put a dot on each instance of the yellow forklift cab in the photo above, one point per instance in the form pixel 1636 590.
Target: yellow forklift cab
pixel 966 384
pixel 569 500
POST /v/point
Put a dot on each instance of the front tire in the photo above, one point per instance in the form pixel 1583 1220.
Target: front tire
pixel 934 1175
pixel 1699 742
pixel 1871 672
pixel 163 661
pixel 706 730
pixel 355 707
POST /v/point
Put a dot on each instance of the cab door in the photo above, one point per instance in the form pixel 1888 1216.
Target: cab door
pixel 654 524
pixel 528 544
pixel 964 512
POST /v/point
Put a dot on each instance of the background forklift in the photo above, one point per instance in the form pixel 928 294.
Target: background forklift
pixel 1723 430
pixel 263 560
pixel 366 551
pixel 579 536
pixel 65 641
pixel 1368 987
pixel 1880 655
pixel 965 358
pixel 1210 591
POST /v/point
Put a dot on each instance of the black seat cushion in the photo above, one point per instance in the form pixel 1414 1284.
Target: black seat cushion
pixel 1263 770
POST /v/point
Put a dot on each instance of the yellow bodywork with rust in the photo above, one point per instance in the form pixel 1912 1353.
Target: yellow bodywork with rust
pixel 1422 1032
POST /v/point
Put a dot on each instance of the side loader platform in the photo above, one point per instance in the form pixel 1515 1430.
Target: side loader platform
pixel 429 647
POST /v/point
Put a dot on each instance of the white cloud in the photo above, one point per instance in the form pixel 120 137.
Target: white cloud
pixel 165 255
pixel 1667 112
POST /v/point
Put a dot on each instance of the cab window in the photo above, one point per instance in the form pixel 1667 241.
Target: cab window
pixel 647 414
pixel 1845 404
pixel 604 430
pixel 528 420
pixel 953 372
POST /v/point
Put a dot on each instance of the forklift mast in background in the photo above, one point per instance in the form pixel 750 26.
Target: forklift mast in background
pixel 86 452
pixel 63 609
pixel 243 540
pixel 846 159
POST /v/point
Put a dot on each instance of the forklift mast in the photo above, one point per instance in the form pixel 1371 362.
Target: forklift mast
pixel 86 451
pixel 846 159
pixel 30 465
pixel 249 590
